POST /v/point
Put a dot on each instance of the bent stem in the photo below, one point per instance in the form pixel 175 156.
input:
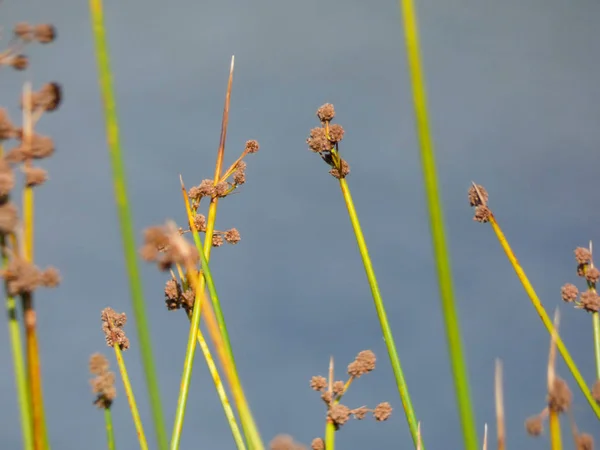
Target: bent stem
pixel 436 222
pixel 125 219
pixel 381 314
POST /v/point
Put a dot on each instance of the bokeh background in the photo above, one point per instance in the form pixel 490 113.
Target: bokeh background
pixel 514 99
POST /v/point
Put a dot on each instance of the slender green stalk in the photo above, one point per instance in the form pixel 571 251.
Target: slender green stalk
pixel 188 365
pixel 235 431
pixel 131 398
pixel 436 221
pixel 17 353
pixel 383 321
pixel 20 373
pixel 110 437
pixel 539 308
pixel 125 219
pixel 596 324
pixel 248 423
pixel 329 435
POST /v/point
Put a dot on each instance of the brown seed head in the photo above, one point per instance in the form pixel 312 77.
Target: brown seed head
pixel 34 176
pixel 364 363
pixel 582 255
pixel 7 178
pixel 569 292
pixel 318 383
pixel 251 146
pixel 19 62
pixel 217 240
pixel 23 31
pixel 339 414
pixel 474 199
pixel 285 442
pixel 382 412
pixel 317 444
pixel 222 189
pixel 590 301
pixel 336 133
pixel 360 413
pixel 534 425
pixel 596 391
pixel 112 324
pixel 232 236
pixel 172 289
pixel 592 275
pixel 585 442
pixel 8 217
pixel 335 173
pixel 205 189
pixel 338 388
pixel 560 396
pixel 482 214
pixel 326 112
pixel 7 129
pixel 239 176
pixel 200 222
pixel 40 147
pixel 44 33
pixel 22 277
pixel 48 98
pixel 98 364
pixel 318 142
pixel 50 277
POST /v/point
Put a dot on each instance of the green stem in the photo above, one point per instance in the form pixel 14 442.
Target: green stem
pixel 383 321
pixel 436 220
pixel 596 323
pixel 131 398
pixel 110 437
pixel 20 374
pixel 125 219
pixel 329 435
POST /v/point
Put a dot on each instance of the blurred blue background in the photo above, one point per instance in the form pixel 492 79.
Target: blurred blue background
pixel 514 100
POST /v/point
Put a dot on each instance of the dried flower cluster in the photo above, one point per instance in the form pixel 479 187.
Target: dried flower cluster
pixel 166 246
pixel 24 34
pixel 231 236
pixel 103 384
pixel 325 140
pixel 21 276
pixel 558 400
pixel 588 300
pixel 332 392
pixel 176 297
pixel 285 442
pixel 112 326
pixel 478 198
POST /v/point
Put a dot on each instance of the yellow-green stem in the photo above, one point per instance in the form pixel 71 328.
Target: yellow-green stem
pixel 381 314
pixel 125 219
pixel 555 438
pixel 436 223
pixel 131 399
pixel 110 437
pixel 537 304
pixel 329 435
pixel 596 326
pixel 235 431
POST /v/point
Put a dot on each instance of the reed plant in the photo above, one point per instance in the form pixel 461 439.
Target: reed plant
pixel 181 249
